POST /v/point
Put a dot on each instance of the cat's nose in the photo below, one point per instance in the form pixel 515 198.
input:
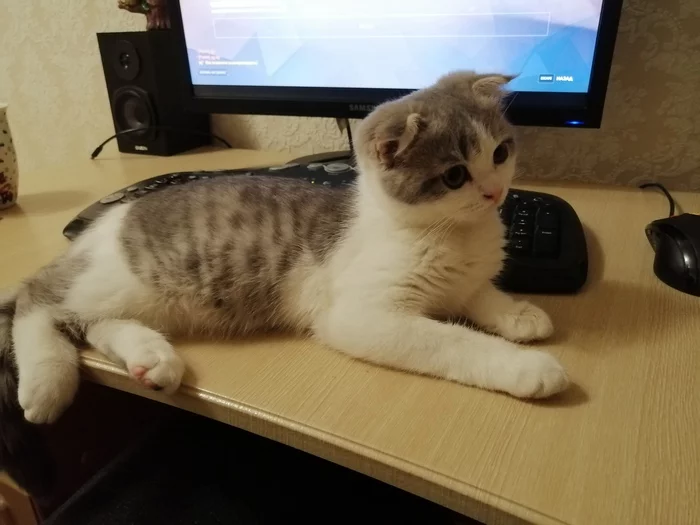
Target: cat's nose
pixel 494 194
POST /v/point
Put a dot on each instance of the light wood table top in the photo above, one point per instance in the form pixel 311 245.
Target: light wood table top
pixel 620 447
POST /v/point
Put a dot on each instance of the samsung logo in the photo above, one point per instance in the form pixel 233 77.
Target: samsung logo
pixel 364 108
pixel 141 148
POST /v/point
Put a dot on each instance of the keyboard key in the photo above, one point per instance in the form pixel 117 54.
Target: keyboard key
pixel 519 246
pixel 520 230
pixel 336 167
pixel 546 242
pixel 525 211
pixel 524 221
pixel 548 218
pixel 114 197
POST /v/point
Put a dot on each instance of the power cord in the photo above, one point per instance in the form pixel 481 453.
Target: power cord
pixel 658 185
pixel 98 149
pixel 350 142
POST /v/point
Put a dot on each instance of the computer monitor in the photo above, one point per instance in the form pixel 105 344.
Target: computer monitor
pixel 340 58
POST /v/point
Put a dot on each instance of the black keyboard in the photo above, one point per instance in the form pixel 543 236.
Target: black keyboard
pixel 546 245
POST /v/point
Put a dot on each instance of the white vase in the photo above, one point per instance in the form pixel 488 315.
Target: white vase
pixel 9 175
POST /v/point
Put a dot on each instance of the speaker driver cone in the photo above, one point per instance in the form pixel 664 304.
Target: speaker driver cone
pixel 132 108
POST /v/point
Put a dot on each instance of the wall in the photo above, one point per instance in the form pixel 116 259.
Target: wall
pixel 50 74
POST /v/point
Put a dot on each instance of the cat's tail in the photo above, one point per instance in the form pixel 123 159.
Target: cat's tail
pixel 24 454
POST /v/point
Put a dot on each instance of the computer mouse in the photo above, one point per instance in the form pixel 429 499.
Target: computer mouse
pixel 676 241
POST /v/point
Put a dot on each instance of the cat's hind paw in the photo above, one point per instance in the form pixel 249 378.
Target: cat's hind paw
pixel 47 390
pixel 157 366
pixel 526 322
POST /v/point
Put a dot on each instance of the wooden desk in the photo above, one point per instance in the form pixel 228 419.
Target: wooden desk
pixel 620 447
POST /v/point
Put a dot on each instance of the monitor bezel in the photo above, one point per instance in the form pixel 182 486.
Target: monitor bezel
pixel 527 109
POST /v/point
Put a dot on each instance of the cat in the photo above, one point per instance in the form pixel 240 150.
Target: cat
pixel 373 270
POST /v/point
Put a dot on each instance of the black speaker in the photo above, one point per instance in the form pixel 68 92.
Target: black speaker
pixel 146 79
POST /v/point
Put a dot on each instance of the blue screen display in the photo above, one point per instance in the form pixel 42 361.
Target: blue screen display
pixel 394 44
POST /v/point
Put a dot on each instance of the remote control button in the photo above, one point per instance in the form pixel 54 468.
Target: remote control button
pixel 336 167
pixel 133 188
pixel 151 186
pixel 314 166
pixel 159 181
pixel 193 177
pixel 326 183
pixel 114 197
pixel 204 177
pixel 283 167
pixel 175 176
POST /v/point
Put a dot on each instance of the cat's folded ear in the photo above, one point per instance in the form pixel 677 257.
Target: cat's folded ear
pixel 487 87
pixel 490 85
pixel 397 139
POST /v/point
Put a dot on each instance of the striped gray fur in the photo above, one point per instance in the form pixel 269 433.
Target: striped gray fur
pixel 228 243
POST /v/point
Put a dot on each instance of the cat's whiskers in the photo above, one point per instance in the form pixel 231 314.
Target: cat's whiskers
pixel 431 228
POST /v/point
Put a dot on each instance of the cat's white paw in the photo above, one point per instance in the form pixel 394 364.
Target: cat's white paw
pixel 526 322
pixel 156 365
pixel 47 390
pixel 533 374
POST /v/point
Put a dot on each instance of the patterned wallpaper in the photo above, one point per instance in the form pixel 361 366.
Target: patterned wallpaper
pixel 50 74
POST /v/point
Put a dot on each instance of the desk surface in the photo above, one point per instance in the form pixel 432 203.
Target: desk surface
pixel 621 446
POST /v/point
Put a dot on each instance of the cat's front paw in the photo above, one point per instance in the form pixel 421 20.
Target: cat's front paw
pixel 157 366
pixel 47 390
pixel 525 322
pixel 533 374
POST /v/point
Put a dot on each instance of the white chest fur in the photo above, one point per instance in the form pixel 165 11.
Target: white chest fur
pixel 428 270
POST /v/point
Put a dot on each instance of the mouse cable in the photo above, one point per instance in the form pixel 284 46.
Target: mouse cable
pixel 98 149
pixel 671 202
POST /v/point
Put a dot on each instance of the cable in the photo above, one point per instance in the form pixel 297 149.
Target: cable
pixel 98 149
pixel 671 202
pixel 349 130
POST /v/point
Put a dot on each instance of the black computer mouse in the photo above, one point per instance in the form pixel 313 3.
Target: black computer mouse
pixel 676 241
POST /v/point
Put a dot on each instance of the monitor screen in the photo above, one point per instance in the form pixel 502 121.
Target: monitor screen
pixel 394 44
pixel 367 51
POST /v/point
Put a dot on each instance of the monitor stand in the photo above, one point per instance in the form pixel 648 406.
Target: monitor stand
pixel 331 156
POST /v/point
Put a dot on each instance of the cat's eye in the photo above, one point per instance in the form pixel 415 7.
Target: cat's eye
pixel 500 154
pixel 456 177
